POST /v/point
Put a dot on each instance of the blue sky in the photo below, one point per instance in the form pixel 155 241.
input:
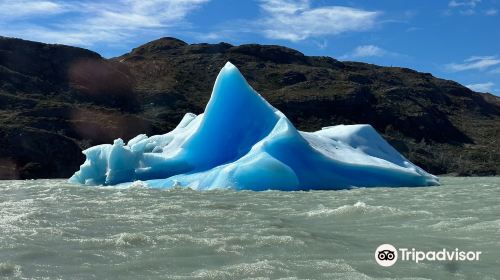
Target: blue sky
pixel 452 39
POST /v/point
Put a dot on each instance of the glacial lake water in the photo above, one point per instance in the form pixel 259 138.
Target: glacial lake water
pixel 50 229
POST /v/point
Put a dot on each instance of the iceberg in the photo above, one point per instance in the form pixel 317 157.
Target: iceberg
pixel 243 143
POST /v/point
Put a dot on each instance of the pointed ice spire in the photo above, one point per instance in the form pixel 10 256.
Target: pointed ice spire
pixel 236 117
pixel 230 86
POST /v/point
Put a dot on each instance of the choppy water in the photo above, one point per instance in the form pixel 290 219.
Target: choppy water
pixel 53 230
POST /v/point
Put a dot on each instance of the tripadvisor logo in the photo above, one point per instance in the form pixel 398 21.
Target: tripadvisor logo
pixel 387 255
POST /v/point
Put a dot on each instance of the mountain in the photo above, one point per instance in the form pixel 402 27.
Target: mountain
pixel 56 100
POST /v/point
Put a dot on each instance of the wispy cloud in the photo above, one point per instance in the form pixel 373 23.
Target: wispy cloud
pixel 467 12
pixel 482 87
pixel 92 22
pixel 468 8
pixel 365 51
pixel 321 44
pixel 470 3
pixel 474 63
pixel 491 12
pixel 296 20
pixel 22 8
pixel 413 29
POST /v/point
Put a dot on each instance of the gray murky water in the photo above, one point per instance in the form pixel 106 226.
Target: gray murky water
pixel 52 230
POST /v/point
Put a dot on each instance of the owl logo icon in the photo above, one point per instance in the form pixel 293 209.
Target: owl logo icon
pixel 386 255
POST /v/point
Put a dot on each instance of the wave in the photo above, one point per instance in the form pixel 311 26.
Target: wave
pixel 361 208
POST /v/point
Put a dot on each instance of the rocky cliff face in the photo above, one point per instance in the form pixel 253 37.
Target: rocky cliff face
pixel 56 100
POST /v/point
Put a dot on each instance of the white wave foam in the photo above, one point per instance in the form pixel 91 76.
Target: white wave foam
pixel 361 208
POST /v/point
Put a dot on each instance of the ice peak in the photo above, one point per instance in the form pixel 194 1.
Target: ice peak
pixel 234 107
pixel 229 65
pixel 232 94
pixel 231 78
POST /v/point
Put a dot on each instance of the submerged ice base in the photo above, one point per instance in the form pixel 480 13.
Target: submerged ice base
pixel 244 143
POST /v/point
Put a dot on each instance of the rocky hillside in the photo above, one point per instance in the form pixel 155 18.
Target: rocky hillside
pixel 56 100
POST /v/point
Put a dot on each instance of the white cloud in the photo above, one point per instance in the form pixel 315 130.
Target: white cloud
pixel 284 6
pixel 413 29
pixel 491 12
pixel 367 51
pixel 470 3
pixel 296 20
pixel 482 87
pixel 474 63
pixel 92 22
pixel 468 12
pixel 480 57
pixel 465 7
pixel 60 36
pixel 210 36
pixel 22 8
pixel 321 45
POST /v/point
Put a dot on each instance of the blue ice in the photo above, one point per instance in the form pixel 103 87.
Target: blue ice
pixel 244 143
